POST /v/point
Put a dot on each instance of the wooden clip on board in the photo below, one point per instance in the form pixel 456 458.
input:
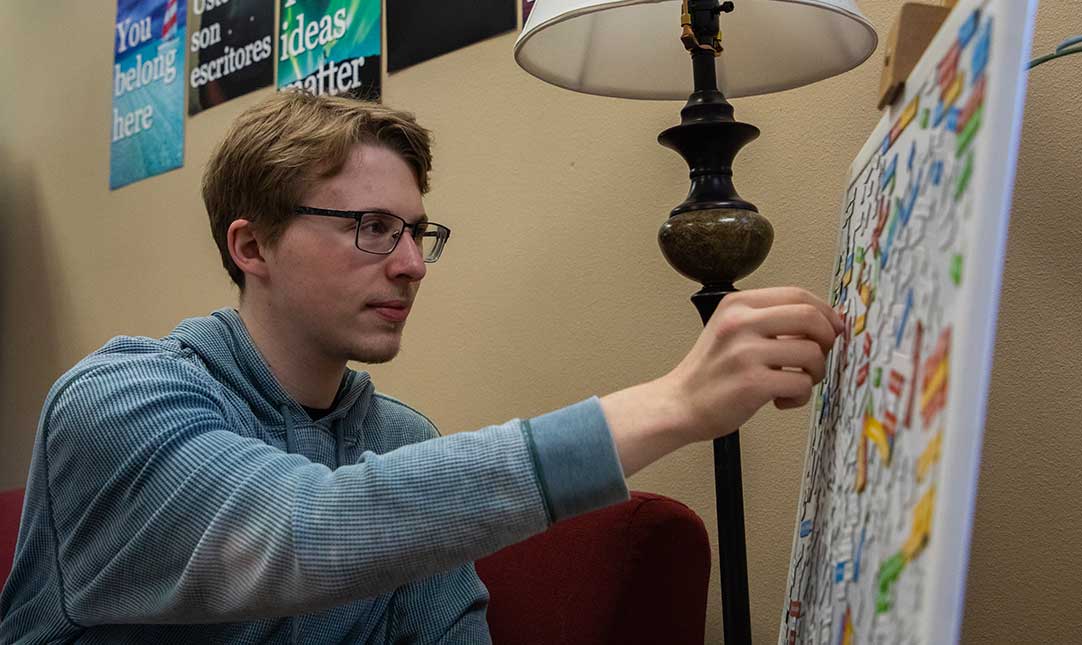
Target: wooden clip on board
pixel 909 36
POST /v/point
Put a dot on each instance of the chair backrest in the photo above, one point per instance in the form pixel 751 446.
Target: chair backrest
pixel 637 572
pixel 11 509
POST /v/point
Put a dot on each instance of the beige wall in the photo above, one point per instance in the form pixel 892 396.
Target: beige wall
pixel 553 288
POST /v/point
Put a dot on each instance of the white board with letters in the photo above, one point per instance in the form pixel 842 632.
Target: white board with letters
pixel 887 497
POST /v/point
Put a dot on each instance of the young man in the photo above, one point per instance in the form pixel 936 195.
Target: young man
pixel 236 482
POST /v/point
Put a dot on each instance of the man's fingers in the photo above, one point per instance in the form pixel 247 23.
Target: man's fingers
pixel 795 354
pixel 788 404
pixel 793 389
pixel 778 296
pixel 801 320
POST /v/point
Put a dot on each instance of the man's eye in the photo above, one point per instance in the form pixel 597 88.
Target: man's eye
pixel 373 228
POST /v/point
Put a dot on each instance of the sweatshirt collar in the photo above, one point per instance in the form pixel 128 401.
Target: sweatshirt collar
pixel 223 342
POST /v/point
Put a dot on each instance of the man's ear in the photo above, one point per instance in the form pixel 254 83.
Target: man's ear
pixel 246 248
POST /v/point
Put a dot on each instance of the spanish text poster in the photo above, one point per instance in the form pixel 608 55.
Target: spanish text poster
pixel 330 47
pixel 422 29
pixel 147 122
pixel 231 49
pixel 527 6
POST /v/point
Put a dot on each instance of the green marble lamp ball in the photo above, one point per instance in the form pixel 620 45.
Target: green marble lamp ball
pixel 716 245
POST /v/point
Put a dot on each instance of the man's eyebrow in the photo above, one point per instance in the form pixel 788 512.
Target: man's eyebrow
pixel 423 217
pixel 419 219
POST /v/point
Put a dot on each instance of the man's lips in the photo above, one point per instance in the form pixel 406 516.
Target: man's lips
pixel 393 310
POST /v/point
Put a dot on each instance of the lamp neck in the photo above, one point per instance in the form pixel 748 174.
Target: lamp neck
pixel 708 136
pixel 702 39
pixel 705 72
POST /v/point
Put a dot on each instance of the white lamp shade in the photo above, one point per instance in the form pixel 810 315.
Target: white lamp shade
pixel 632 48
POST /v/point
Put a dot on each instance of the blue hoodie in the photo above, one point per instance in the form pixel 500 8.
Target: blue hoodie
pixel 177 494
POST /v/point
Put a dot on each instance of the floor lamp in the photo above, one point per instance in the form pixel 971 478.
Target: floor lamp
pixel 641 49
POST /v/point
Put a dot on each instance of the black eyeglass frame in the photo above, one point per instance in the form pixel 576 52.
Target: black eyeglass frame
pixel 442 233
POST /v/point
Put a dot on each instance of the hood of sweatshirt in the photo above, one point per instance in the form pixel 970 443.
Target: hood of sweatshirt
pixel 222 343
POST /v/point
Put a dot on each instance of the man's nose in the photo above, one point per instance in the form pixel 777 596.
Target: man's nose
pixel 407 260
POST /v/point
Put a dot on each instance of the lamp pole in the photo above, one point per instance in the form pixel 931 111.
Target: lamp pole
pixel 715 238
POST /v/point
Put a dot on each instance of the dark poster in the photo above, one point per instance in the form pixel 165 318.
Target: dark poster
pixel 423 29
pixel 232 50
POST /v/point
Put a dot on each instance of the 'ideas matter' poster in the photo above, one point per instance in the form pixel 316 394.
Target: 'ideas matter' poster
pixel 147 121
pixel 330 47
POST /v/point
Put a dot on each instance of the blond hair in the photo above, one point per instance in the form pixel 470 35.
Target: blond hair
pixel 275 149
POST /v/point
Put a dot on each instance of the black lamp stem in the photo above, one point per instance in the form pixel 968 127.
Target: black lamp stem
pixel 729 503
pixel 715 238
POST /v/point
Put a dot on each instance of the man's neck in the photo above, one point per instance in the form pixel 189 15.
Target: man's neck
pixel 308 380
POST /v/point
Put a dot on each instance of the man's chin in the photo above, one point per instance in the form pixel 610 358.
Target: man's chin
pixel 375 355
pixel 373 359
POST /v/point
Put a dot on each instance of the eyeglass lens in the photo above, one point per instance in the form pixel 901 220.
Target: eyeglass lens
pixel 379 233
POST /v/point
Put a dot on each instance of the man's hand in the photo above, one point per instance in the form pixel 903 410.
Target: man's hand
pixel 759 346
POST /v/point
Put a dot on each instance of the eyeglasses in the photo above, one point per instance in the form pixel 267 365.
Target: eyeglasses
pixel 378 232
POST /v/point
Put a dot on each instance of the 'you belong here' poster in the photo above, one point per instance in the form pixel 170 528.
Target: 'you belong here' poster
pixel 330 47
pixel 147 120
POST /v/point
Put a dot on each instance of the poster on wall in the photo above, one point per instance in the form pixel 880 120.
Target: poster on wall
pixel 883 522
pixel 330 47
pixel 231 50
pixel 147 121
pixel 423 29
pixel 527 7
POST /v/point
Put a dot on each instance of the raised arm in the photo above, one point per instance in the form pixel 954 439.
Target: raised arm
pixel 163 514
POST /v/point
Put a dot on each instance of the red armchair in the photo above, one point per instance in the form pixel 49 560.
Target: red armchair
pixel 11 509
pixel 637 572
